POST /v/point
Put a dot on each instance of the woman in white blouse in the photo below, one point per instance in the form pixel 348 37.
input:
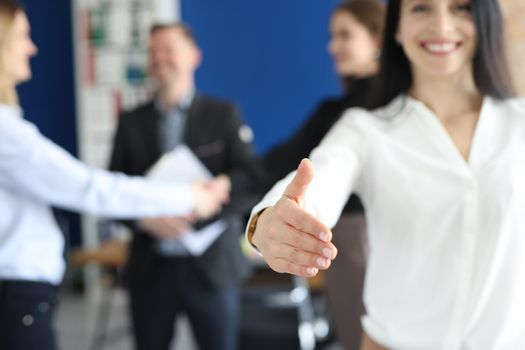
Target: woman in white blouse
pixel 35 173
pixel 440 166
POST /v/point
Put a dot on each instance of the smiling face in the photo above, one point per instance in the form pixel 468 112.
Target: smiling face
pixel 172 56
pixel 17 51
pixel 352 47
pixel 437 36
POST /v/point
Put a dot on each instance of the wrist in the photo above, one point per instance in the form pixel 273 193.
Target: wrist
pixel 252 226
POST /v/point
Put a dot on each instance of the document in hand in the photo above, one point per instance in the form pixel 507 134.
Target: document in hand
pixel 182 165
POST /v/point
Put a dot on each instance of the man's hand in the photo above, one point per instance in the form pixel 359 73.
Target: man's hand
pixel 290 239
pixel 166 227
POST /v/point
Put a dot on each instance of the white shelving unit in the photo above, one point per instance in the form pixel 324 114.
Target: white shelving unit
pixel 110 46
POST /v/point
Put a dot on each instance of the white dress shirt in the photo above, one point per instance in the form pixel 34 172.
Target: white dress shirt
pixel 447 236
pixel 36 173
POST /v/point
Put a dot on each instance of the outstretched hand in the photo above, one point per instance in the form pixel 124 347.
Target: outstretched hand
pixel 290 239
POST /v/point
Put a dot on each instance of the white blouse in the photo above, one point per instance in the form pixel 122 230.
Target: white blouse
pixel 447 237
pixel 36 173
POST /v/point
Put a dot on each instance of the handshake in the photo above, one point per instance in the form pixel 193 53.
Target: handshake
pixel 209 197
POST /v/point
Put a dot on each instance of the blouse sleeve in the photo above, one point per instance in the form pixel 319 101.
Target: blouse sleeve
pixel 32 165
pixel 337 163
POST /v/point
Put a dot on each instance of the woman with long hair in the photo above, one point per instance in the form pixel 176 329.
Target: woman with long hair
pixel 440 167
pixel 355 31
pixel 34 174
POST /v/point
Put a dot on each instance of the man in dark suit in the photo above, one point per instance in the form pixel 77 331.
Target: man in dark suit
pixel 166 280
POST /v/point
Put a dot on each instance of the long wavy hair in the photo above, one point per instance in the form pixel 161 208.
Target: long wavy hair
pixel 8 11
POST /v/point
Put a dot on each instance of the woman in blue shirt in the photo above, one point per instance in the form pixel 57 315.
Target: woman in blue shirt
pixel 34 174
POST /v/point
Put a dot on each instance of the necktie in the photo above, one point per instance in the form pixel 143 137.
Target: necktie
pixel 172 129
pixel 171 134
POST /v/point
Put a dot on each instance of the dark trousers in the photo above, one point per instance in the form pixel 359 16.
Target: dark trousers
pixel 26 315
pixel 345 279
pixel 175 287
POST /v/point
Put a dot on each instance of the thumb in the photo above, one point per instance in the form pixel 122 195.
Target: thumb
pixel 297 187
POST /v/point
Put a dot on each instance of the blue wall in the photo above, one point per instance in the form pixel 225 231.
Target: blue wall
pixel 269 56
pixel 48 99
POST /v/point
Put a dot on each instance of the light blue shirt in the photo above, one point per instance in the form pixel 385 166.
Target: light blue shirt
pixel 36 173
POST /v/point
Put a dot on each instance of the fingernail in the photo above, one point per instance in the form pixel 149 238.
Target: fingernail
pixel 329 253
pixel 311 270
pixel 323 236
pixel 321 262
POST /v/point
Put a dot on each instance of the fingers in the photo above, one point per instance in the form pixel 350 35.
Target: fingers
pixel 291 237
pixel 222 184
pixel 220 187
pixel 297 187
pixel 293 215
pixel 207 203
pixel 164 227
pixel 177 225
pixel 299 257
pixel 211 195
pixel 288 249
pixel 298 262
pixel 285 266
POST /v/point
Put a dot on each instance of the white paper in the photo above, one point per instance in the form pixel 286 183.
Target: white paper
pixel 181 164
pixel 198 241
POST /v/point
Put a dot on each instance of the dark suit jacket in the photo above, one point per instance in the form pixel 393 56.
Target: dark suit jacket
pixel 212 133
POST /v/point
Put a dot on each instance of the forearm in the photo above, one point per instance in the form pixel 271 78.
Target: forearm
pixel 33 165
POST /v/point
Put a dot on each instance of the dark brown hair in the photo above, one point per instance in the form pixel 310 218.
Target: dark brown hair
pixel 490 66
pixel 370 13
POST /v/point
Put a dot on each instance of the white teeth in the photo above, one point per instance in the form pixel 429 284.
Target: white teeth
pixel 440 48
